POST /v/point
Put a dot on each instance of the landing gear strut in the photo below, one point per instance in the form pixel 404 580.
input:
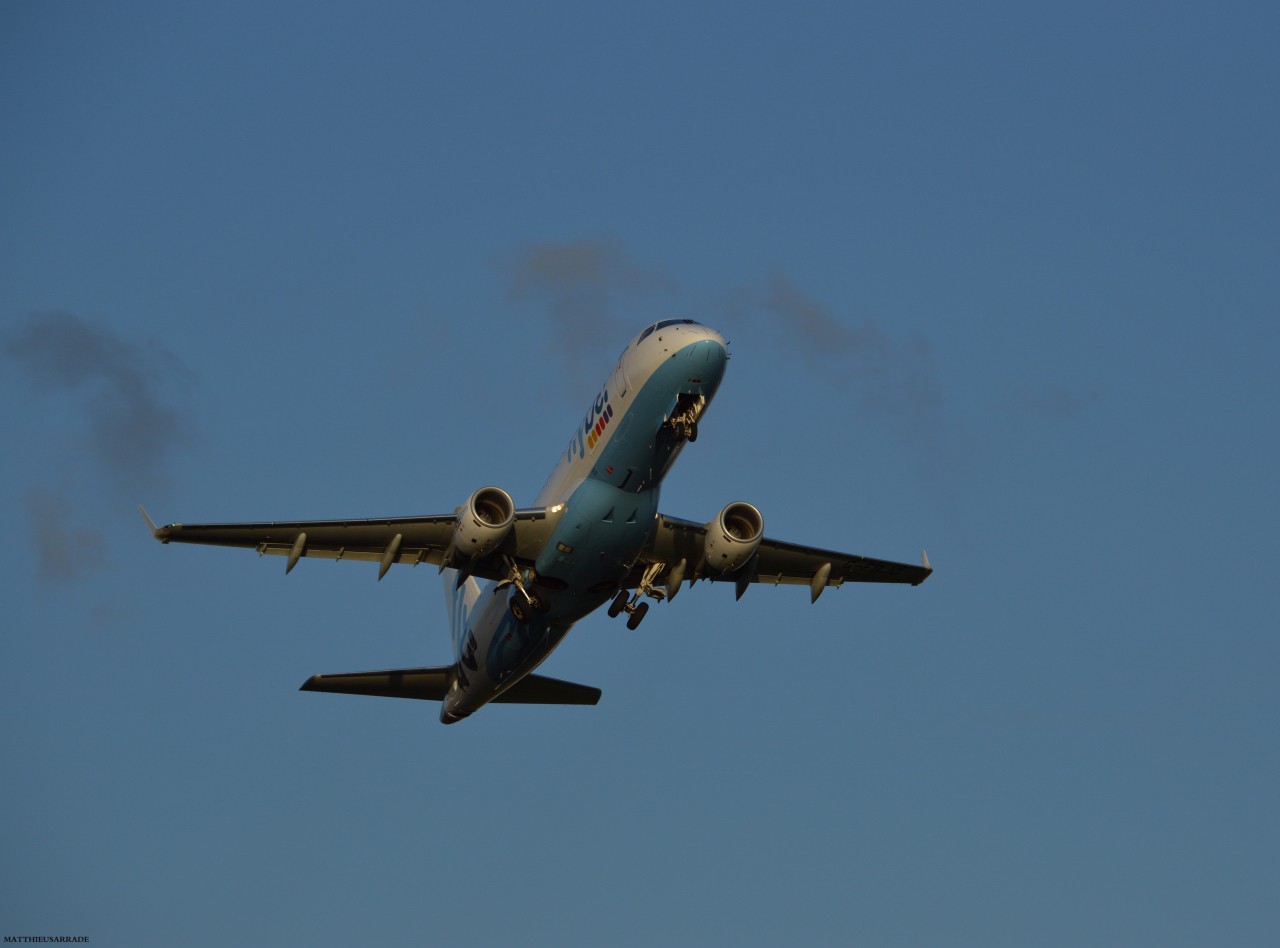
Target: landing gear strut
pixel 524 605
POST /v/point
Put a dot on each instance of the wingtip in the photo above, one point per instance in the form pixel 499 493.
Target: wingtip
pixel 160 533
pixel 927 566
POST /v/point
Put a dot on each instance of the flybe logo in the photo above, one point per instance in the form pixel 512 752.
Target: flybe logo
pixel 594 426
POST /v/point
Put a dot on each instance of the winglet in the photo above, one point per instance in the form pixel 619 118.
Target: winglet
pixel 160 533
pixel 925 555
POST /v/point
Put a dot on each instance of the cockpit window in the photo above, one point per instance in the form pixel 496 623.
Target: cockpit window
pixel 663 325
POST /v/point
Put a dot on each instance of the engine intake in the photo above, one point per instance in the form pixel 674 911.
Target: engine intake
pixel 483 522
pixel 733 538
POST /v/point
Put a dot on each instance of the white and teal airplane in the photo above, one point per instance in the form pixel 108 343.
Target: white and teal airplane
pixel 594 536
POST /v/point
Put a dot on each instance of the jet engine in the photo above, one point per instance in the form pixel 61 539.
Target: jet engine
pixel 733 538
pixel 483 523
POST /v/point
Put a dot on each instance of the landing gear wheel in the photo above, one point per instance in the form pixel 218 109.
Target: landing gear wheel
pixel 693 432
pixel 619 603
pixel 521 608
pixel 637 614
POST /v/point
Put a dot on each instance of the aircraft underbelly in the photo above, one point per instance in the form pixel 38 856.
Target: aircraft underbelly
pixel 497 651
pixel 593 548
pixel 594 545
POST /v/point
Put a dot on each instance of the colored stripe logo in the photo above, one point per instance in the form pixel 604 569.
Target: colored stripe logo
pixel 601 424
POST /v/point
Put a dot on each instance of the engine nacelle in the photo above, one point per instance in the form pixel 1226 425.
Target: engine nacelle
pixel 483 523
pixel 733 538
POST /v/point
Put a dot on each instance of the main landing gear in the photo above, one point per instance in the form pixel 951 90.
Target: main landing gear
pixel 636 609
pixel 524 604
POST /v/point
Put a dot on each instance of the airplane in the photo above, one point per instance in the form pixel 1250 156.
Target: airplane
pixel 594 536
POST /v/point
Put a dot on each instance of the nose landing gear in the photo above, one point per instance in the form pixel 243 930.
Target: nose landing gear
pixel 684 419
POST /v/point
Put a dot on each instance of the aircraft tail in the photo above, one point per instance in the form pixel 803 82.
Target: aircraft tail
pixel 431 684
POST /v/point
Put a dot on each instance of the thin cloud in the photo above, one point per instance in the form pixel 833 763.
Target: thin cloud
pixel 1049 401
pixel 63 552
pixel 883 376
pixel 814 328
pixel 587 285
pixel 130 430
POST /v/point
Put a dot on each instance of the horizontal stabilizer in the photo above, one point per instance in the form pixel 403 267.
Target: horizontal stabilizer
pixel 538 689
pixel 431 684
pixel 427 684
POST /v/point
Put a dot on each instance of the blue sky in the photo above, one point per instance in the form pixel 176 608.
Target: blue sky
pixel 1000 281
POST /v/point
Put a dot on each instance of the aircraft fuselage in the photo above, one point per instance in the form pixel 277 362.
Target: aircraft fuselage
pixel 604 494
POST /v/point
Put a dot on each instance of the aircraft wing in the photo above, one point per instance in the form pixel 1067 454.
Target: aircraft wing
pixel 775 561
pixel 410 540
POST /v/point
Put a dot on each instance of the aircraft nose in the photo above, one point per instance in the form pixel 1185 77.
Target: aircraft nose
pixel 705 361
pixel 709 351
pixel 710 335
